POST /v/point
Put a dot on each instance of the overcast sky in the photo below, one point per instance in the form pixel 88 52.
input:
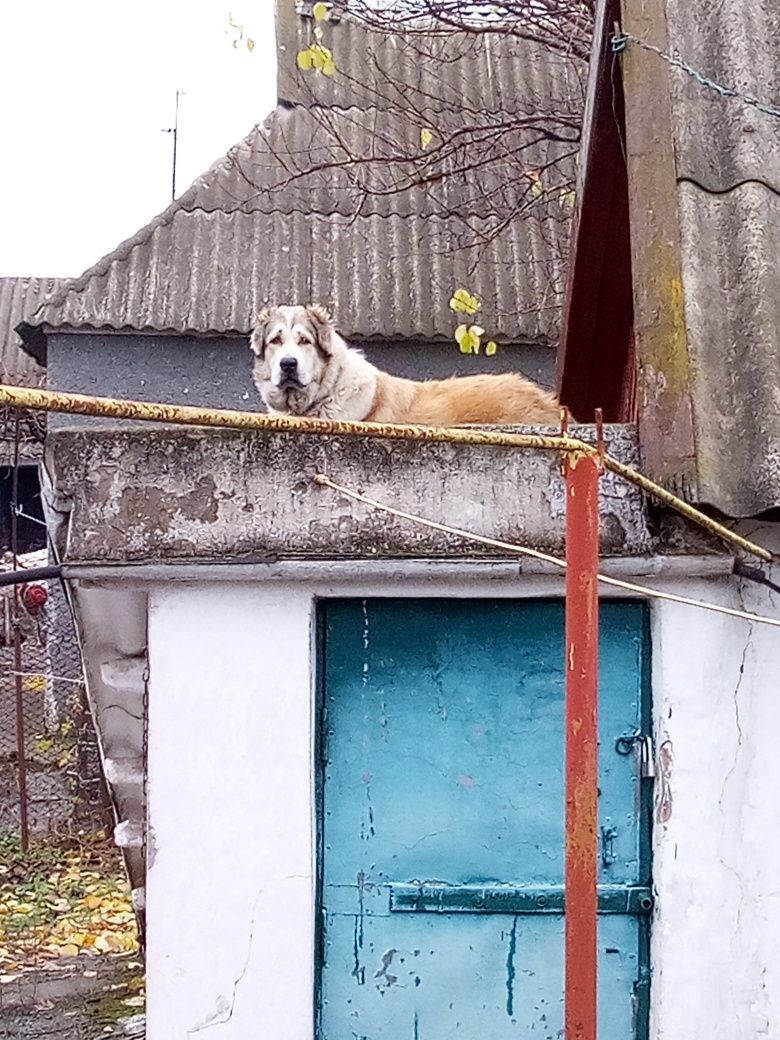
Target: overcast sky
pixel 87 88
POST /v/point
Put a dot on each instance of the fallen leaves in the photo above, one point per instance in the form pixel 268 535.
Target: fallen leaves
pixel 80 906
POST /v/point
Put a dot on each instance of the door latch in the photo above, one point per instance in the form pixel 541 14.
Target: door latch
pixel 608 835
pixel 646 757
pixel 644 743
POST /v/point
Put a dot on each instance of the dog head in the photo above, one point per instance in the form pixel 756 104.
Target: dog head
pixel 292 346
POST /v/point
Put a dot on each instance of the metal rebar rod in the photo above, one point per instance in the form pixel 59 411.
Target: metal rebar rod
pixel 187 415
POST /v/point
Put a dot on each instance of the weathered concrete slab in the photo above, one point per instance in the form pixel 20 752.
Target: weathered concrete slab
pixel 173 494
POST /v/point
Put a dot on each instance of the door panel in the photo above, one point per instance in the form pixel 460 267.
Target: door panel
pixel 485 977
pixel 442 765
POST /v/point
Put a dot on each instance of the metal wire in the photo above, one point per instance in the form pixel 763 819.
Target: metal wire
pixel 622 39
pixel 186 415
pixel 524 550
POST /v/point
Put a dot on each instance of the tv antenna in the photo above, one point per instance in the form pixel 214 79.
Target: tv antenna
pixel 175 131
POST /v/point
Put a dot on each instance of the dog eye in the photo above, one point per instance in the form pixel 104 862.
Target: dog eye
pixel 304 341
pixel 276 339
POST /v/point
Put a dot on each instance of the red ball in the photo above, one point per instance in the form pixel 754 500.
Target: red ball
pixel 34 596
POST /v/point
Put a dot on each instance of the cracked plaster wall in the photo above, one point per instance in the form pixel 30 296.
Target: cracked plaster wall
pixel 172 494
pixel 716 965
pixel 230 889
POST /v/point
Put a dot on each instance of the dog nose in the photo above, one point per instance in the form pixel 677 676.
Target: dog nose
pixel 288 365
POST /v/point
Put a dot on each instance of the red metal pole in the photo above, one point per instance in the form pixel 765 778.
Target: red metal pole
pixel 582 640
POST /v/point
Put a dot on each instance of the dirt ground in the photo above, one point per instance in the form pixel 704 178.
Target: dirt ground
pixel 77 998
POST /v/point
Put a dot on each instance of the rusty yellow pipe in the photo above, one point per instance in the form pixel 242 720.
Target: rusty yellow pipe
pixel 187 415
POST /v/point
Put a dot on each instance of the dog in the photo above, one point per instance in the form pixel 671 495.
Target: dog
pixel 303 367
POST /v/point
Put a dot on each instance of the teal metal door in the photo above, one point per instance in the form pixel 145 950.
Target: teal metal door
pixel 442 820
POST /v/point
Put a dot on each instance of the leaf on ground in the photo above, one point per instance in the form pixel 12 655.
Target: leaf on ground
pixel 82 907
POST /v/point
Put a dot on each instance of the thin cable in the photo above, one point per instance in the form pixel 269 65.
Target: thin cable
pixel 754 574
pixel 523 550
pixel 46 675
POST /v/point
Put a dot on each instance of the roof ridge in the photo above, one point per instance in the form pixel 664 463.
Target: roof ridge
pixel 182 204
pixel 121 252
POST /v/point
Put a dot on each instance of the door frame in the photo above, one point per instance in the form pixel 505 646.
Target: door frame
pixel 645 789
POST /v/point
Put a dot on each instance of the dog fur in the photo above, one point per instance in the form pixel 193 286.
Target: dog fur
pixel 303 367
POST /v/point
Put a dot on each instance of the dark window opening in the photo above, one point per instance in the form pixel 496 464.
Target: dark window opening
pixel 31 532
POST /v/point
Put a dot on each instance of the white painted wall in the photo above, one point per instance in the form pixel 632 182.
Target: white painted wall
pixel 231 852
pixel 716 952
pixel 231 878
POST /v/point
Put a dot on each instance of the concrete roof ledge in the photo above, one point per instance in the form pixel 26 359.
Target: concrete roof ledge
pixel 195 495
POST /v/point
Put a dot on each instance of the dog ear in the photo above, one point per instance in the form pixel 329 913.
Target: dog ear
pixel 323 327
pixel 257 339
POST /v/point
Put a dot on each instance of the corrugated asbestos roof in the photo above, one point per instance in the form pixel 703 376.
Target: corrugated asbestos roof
pixel 19 299
pixel 294 213
pixel 470 73
pixel 728 167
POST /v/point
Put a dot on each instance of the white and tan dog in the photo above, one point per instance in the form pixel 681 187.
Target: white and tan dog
pixel 303 367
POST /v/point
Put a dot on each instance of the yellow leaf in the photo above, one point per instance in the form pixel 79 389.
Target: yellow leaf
pixel 425 137
pixel 69 950
pixel 490 348
pixel 465 339
pixel 567 198
pixel 305 60
pixel 250 44
pixel 463 302
pixel 319 57
pixel 92 902
pixel 320 12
